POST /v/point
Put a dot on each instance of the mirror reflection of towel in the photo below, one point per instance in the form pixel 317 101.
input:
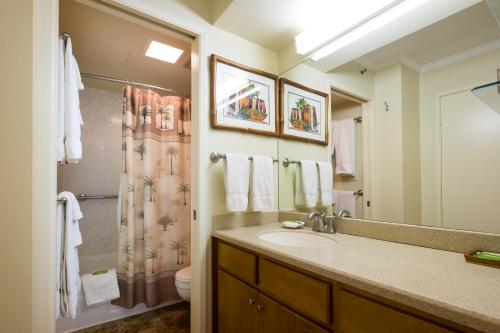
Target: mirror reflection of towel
pixel 344 146
pixel 345 200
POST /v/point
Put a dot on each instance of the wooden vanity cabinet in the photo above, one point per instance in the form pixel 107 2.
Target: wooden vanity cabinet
pixel 256 294
pixel 242 309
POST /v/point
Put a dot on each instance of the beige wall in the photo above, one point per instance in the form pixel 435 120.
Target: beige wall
pixel 16 38
pixel 411 145
pixel 461 75
pixel 388 164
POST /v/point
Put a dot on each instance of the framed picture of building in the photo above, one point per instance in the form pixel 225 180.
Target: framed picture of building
pixel 243 99
pixel 303 113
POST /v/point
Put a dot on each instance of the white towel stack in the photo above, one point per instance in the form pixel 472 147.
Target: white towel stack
pixel 262 183
pixel 69 146
pixel 306 184
pixel 325 183
pixel 68 238
pixel 236 180
pixel 344 147
pixel 100 288
pixel 345 200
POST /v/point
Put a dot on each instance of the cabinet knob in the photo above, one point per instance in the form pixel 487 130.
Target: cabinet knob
pixel 260 307
pixel 251 301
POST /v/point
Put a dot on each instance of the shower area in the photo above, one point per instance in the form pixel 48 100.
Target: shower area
pixel 133 181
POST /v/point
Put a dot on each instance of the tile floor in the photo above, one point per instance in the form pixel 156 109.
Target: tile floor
pixel 171 319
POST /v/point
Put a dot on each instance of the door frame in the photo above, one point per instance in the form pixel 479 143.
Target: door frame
pixel 368 142
pixel 44 168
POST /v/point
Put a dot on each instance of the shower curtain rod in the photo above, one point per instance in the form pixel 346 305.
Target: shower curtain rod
pixel 112 79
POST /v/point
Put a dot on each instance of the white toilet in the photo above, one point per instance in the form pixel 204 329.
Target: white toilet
pixel 183 283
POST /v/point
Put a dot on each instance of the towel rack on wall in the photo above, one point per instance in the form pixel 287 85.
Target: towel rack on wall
pixel 358 119
pixel 216 157
pixel 359 193
pixel 287 162
pixel 83 197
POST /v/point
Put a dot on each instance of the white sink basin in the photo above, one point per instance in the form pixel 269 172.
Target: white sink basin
pixel 297 239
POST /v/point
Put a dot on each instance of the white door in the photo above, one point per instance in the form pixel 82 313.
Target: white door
pixel 470 151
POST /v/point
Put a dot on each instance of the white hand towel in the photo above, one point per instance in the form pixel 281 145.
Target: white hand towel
pixel 306 184
pixel 61 155
pixel 344 146
pixel 325 183
pixel 236 180
pixel 262 183
pixel 72 116
pixel 100 288
pixel 71 238
pixel 345 200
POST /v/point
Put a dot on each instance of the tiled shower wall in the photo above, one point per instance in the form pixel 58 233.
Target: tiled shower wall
pixel 98 172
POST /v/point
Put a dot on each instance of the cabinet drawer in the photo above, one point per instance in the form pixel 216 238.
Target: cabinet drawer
pixel 359 314
pixel 237 262
pixel 301 292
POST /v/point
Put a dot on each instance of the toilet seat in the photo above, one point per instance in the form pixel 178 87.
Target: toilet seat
pixel 184 275
pixel 183 283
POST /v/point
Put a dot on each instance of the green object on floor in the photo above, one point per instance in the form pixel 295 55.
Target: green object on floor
pixel 487 255
pixel 99 272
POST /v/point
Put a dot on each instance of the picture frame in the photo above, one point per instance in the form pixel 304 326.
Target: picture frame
pixel 243 99
pixel 303 113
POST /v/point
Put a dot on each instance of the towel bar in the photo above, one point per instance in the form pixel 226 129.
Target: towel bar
pixel 216 157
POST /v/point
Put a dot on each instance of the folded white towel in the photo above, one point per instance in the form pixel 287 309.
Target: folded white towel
pixel 344 146
pixel 325 183
pixel 306 184
pixel 68 239
pixel 61 154
pixel 236 180
pixel 345 200
pixel 100 288
pixel 262 183
pixel 72 116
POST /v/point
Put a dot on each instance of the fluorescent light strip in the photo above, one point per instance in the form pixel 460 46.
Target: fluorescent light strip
pixel 341 16
pixel 163 52
pixel 368 27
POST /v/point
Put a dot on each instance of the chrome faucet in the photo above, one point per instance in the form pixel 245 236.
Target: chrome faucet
pixel 324 223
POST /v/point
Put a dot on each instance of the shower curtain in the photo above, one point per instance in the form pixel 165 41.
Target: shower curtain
pixel 155 208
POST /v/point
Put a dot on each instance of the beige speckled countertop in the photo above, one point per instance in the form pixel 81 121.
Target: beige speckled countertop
pixel 433 281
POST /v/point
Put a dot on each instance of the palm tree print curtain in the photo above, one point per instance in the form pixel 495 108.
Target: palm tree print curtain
pixel 155 188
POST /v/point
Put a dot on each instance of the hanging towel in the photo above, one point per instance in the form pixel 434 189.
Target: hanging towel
pixel 72 116
pixel 236 180
pixel 100 287
pixel 344 147
pixel 61 154
pixel 262 183
pixel 325 183
pixel 306 184
pixel 69 238
pixel 344 200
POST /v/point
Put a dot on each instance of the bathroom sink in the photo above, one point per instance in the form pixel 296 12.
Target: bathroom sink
pixel 297 239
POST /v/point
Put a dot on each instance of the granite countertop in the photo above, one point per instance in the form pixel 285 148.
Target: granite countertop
pixel 434 281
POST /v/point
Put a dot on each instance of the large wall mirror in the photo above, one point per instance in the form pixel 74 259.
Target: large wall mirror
pixel 425 146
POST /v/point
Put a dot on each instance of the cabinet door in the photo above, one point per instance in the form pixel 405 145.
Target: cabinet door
pixel 274 318
pixel 237 305
pixel 361 315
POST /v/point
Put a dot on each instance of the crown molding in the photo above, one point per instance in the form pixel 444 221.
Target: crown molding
pixel 457 57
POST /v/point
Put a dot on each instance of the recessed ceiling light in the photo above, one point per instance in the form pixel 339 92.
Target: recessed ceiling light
pixel 163 52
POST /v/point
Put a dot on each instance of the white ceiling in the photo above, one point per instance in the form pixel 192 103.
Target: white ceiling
pixel 270 23
pixel 466 30
pixel 108 45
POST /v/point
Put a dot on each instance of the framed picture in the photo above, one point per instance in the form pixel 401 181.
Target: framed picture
pixel 243 99
pixel 303 113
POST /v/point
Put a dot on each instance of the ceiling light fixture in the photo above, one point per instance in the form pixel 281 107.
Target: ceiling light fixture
pixel 163 52
pixel 334 18
pixel 375 23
